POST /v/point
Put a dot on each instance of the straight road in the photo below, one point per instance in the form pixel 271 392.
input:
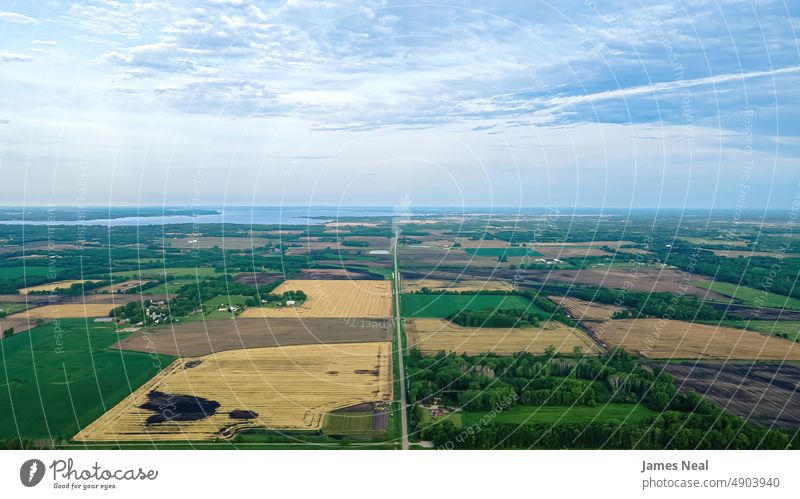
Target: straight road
pixel 397 323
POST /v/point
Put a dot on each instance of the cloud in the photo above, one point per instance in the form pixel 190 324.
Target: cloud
pixel 13 17
pixel 46 43
pixel 9 57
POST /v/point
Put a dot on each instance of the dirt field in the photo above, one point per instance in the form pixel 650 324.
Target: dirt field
pixel 121 287
pixel 19 324
pixel 202 338
pixel 257 278
pixel 585 310
pixel 288 388
pixel 337 275
pixel 332 298
pixel 91 298
pixel 53 285
pixel 459 285
pixel 657 339
pixel 570 252
pixel 767 394
pixel 480 243
pixel 432 336
pixel 66 311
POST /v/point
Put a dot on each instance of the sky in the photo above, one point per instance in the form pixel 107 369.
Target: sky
pixel 592 103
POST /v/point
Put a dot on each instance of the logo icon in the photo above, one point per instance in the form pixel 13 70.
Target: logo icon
pixel 31 472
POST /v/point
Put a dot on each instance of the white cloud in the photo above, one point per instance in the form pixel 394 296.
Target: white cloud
pixel 13 17
pixel 10 57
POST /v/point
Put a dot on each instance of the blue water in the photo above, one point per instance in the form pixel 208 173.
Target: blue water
pixel 270 215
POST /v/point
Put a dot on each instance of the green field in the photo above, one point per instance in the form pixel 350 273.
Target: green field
pixel 347 423
pixel 523 414
pixel 20 271
pixel 55 381
pixel 171 271
pixel 210 307
pixel 498 252
pixel 785 329
pixel 750 296
pixel 442 306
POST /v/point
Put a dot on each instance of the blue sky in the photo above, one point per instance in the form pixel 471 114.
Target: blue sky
pixel 588 103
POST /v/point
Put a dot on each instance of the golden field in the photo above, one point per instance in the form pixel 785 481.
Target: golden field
pixel 289 388
pixel 332 298
pixel 66 311
pixel 431 336
pixel 666 339
pixel 585 310
pixel 53 286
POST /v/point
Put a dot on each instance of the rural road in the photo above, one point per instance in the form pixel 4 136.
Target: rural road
pixel 401 368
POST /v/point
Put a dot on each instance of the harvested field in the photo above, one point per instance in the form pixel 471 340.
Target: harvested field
pixel 257 278
pixel 337 275
pixel 431 336
pixel 410 286
pixel 90 298
pixel 66 311
pixel 767 394
pixel 571 252
pixel 122 287
pixel 586 310
pixel 466 242
pixel 657 339
pixel 202 338
pixel 18 324
pixel 288 388
pixel 54 285
pixel 332 298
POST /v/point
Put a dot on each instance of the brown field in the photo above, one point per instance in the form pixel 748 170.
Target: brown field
pixel 208 242
pixel 570 252
pixel 54 285
pixel 337 274
pixel 410 286
pixel 585 310
pixel 763 393
pixel 657 339
pixel 66 311
pixel 121 287
pixel 91 298
pixel 480 243
pixel 191 339
pixel 257 278
pixel 332 298
pixel 19 324
pixel 432 336
pixel 288 388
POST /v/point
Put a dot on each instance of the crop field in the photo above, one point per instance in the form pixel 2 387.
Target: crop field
pixel 431 336
pixel 580 414
pixel 347 423
pixel 466 243
pixel 442 306
pixel 21 271
pixel 751 296
pixel 411 285
pixel 332 298
pixel 765 393
pixel 666 339
pixel 225 243
pixel 216 396
pixel 585 310
pixel 58 378
pixel 53 286
pixel 66 311
pixel 201 338
pixel 788 329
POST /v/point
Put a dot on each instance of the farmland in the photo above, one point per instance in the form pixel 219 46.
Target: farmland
pixel 432 336
pixel 71 381
pixel 443 305
pixel 410 286
pixel 585 310
pixel 276 388
pixel 657 339
pixel 332 298
pixel 52 286
pixel 65 311
pixel 751 296
pixel 192 339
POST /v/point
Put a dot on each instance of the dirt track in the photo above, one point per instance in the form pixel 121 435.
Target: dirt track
pixel 198 338
pixel 763 393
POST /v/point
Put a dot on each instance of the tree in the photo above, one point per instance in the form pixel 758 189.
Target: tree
pixel 8 333
pixel 550 351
